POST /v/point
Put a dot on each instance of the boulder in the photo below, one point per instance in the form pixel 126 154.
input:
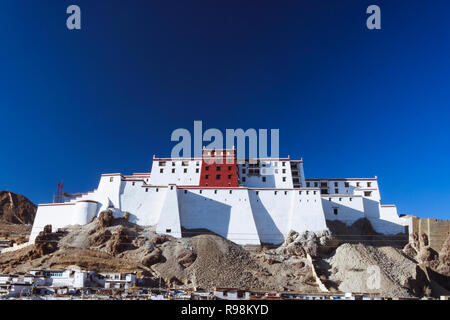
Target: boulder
pixel 105 219
pixel 45 243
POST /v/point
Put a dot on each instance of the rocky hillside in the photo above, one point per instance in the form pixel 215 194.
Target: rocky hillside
pixel 16 209
pixel 308 262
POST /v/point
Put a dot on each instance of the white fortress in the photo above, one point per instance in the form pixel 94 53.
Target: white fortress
pixel 248 202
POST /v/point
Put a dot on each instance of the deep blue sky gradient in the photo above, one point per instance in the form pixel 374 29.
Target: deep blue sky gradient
pixel 351 102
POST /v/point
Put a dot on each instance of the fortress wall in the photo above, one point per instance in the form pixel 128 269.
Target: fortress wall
pixel 348 210
pixel 58 216
pixel 228 215
pixel 169 218
pixel 271 213
pixel 143 204
pixel 436 230
pixel 388 221
pixel 307 212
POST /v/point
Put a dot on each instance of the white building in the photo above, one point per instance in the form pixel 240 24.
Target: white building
pixel 71 278
pixel 246 201
pixel 116 280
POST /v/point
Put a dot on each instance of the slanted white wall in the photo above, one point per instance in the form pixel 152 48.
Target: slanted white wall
pixel 388 221
pixel 169 219
pixel 143 203
pixel 271 210
pixel 350 208
pixel 307 211
pixel 227 214
pixel 58 216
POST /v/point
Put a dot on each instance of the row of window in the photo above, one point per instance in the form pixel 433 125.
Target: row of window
pixel 185 170
pixel 183 163
pixel 263 171
pixel 257 192
pixel 263 164
pixel 263 179
pixel 336 184
pixel 218 176
pixel 218 168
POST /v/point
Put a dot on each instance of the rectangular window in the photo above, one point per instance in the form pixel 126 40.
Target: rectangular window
pixel 173 164
pixel 111 179
pixel 206 176
pixel 206 168
pixel 336 190
pixel 243 179
pixel 335 184
pixel 284 179
pixel 335 211
pixel 367 193
pixel 197 170
pixel 218 168
pixel 161 170
pixel 347 184
pixel 185 170
pixel 284 171
pixel 229 176
pixel 218 177
pixel 263 179
pixel 357 184
pixel 308 184
pixel 229 168
pixel 369 184
pixel 316 184
pixel 162 163
pixel 173 170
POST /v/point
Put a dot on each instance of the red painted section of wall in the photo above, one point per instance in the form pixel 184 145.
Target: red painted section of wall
pixel 219 162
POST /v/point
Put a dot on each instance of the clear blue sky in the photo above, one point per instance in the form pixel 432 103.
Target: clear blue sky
pixel 351 102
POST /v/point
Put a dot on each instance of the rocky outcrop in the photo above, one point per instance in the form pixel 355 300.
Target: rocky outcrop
pixel 444 258
pixel 105 219
pixel 46 242
pixel 153 258
pixel 160 239
pixel 100 238
pixel 305 243
pixel 119 242
pixel 186 258
pixel 15 208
